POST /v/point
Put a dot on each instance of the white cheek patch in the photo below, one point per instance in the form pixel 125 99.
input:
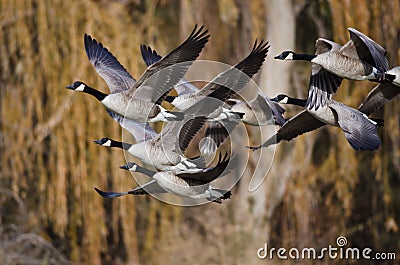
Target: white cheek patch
pixel 133 168
pixel 284 100
pixel 108 143
pixel 80 88
pixel 289 57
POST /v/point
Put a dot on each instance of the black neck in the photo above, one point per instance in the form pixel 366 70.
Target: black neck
pixel 97 94
pixel 303 57
pixel 145 171
pixel 121 145
pixel 297 101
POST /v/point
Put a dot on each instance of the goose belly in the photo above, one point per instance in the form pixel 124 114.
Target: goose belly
pixel 155 156
pixel 134 109
pixel 344 66
pixel 324 114
pixel 178 186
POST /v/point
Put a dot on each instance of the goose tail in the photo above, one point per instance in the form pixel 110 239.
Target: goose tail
pixel 384 78
pixel 379 122
pixel 390 77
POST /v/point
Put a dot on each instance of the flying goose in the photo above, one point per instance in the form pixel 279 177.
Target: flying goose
pixel 161 151
pixel 285 99
pixel 381 94
pixel 165 152
pixel 193 184
pixel 140 100
pixel 320 109
pixel 260 108
pixel 359 130
pixel 359 59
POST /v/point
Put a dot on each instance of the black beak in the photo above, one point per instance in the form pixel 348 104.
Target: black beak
pixel 69 87
pixel 126 167
pixel 279 57
pixel 98 142
pixel 275 99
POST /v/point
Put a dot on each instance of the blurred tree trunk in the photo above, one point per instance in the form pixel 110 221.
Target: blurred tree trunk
pixel 280 32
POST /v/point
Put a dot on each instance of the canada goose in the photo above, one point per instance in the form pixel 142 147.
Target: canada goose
pixel 359 130
pixel 165 151
pixel 188 94
pixel 140 100
pixel 381 94
pixel 154 153
pixel 193 184
pixel 359 59
pixel 284 99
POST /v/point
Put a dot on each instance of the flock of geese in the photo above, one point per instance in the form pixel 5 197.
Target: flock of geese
pixel 218 107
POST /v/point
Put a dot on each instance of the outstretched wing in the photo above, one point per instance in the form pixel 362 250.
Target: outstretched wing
pixel 267 106
pixel 295 126
pixel 369 51
pixel 359 130
pixel 160 78
pixel 107 66
pixel 150 57
pixel 323 84
pixel 378 96
pixel 150 187
pixel 234 79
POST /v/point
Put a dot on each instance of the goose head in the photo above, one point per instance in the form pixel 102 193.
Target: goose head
pixel 281 98
pixel 104 142
pixel 286 55
pixel 129 166
pixel 77 86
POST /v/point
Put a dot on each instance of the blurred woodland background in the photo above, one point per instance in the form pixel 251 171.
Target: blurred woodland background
pixel 318 187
